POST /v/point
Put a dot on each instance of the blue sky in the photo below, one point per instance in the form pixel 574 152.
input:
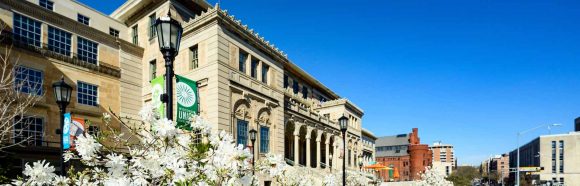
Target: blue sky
pixel 468 73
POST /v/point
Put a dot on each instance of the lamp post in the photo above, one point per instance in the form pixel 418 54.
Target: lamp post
pixel 360 164
pixel 342 122
pixel 518 151
pixel 62 92
pixel 169 37
pixel 253 139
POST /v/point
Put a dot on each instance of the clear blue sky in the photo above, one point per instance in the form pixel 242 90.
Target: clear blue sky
pixel 469 73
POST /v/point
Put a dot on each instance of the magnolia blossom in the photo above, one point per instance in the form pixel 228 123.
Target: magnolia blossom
pixel 86 146
pixel 164 127
pixel 40 173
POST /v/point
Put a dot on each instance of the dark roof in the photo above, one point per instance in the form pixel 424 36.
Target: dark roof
pixel 401 139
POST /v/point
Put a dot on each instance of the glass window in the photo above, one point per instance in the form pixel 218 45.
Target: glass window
pixel 193 57
pixel 87 50
pixel 265 69
pixel 59 41
pixel 46 4
pixel 28 80
pixel 93 130
pixel 242 132
pixel 28 130
pixel 26 30
pixel 305 92
pixel 83 19
pixel 264 139
pixel 285 81
pixel 242 61
pixel 152 20
pixel 113 32
pixel 87 94
pixel 135 35
pixel 254 68
pixel 295 87
pixel 152 69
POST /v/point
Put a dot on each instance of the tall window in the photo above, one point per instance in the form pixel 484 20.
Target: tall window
pixel 87 50
pixel 152 20
pixel 26 30
pixel 295 86
pixel 264 139
pixel 59 41
pixel 553 156
pixel 254 68
pixel 135 35
pixel 46 4
pixel 193 57
pixel 242 61
pixel 286 81
pixel 113 32
pixel 28 80
pixel 561 142
pixel 265 69
pixel 87 94
pixel 28 130
pixel 304 92
pixel 83 19
pixel 152 69
pixel 242 132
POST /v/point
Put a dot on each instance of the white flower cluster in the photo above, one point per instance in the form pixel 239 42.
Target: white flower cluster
pixel 433 178
pixel 167 155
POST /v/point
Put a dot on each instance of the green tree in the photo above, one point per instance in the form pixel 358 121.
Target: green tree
pixel 464 175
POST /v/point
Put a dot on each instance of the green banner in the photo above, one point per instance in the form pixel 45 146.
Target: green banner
pixel 187 101
pixel 157 89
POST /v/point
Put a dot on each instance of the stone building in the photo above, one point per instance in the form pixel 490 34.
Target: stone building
pixel 244 81
pixel 443 158
pixel 499 167
pixel 54 39
pixel 405 154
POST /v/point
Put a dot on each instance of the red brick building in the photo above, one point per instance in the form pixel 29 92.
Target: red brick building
pixel 404 154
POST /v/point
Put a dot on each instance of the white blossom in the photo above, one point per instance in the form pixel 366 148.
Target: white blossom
pixel 40 173
pixel 87 147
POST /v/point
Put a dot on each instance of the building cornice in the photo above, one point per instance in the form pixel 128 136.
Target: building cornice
pixel 36 12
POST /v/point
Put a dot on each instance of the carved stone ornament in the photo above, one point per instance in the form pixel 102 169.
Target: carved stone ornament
pixel 264 118
pixel 242 112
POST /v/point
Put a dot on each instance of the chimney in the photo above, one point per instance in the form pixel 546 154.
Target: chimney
pixel 577 124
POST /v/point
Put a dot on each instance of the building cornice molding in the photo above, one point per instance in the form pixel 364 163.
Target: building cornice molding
pixel 49 17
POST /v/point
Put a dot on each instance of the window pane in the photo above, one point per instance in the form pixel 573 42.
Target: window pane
pixel 135 35
pixel 59 41
pixel 87 94
pixel 152 32
pixel 46 4
pixel 26 30
pixel 28 80
pixel 83 19
pixel 265 69
pixel 193 57
pixel 29 131
pixel 254 68
pixel 87 50
pixel 264 139
pixel 242 61
pixel 242 132
pixel 113 32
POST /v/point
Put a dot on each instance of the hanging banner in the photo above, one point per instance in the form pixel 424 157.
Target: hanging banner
pixel 157 89
pixel 66 131
pixel 77 128
pixel 187 101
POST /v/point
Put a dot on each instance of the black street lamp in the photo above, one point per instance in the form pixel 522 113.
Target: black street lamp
pixel 360 164
pixel 253 139
pixel 168 36
pixel 62 92
pixel 343 123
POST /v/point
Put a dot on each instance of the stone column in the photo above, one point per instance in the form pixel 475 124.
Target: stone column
pixel 296 148
pixel 308 150
pixel 326 142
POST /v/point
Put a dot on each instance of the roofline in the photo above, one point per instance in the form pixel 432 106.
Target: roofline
pixel 369 133
pixel 99 12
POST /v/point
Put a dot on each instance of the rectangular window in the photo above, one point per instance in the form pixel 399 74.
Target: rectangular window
pixel 83 19
pixel 135 35
pixel 254 68
pixel 87 94
pixel 87 50
pixel 193 57
pixel 93 130
pixel 561 151
pixel 28 130
pixel 26 30
pixel 242 132
pixel 242 61
pixel 264 139
pixel 286 81
pixel 59 41
pixel 265 70
pixel 28 80
pixel 46 4
pixel 304 92
pixel 152 20
pixel 295 87
pixel 553 156
pixel 114 32
pixel 152 69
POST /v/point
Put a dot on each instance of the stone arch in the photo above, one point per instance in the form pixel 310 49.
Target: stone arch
pixel 313 136
pixel 302 132
pixel 263 116
pixel 323 149
pixel 242 109
pixel 241 121
pixel 289 128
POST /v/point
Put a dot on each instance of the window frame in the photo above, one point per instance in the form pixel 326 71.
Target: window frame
pixel 254 63
pixel 242 136
pixel 151 33
pixel 114 32
pixel 47 4
pixel 265 73
pixel 81 52
pixel 82 19
pixel 242 63
pixel 152 69
pixel 80 97
pixel 193 57
pixel 135 34
pixel 21 31
pixel 36 141
pixel 27 79
pixel 264 141
pixel 57 41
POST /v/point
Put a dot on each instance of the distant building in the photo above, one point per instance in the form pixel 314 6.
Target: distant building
pixel 558 156
pixel 499 166
pixel 443 158
pixel 368 144
pixel 404 154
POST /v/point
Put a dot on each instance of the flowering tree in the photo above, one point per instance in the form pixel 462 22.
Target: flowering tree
pixel 166 155
pixel 432 178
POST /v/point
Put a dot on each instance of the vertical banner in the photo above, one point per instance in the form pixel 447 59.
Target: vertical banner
pixel 77 128
pixel 157 89
pixel 187 101
pixel 66 131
